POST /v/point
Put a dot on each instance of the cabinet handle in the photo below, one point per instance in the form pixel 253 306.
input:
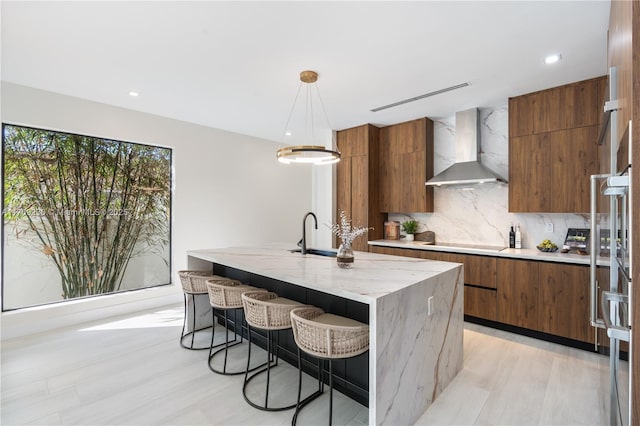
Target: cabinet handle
pixel 593 252
pixel 614 331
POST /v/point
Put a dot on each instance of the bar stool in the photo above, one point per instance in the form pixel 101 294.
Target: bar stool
pixel 269 312
pixel 326 337
pixel 225 295
pixel 193 284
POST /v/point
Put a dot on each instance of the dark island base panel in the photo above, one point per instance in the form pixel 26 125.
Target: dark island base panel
pixel 543 336
pixel 350 376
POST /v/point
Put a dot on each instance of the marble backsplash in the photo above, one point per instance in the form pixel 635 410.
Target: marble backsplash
pixel 479 214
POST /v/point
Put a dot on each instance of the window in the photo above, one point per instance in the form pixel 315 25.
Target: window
pixel 82 216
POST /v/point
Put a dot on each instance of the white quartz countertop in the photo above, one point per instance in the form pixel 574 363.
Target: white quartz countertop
pixel 373 275
pixel 528 254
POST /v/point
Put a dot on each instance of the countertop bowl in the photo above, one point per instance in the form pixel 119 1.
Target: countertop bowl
pixel 547 249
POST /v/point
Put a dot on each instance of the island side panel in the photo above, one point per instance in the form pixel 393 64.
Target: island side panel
pixel 417 355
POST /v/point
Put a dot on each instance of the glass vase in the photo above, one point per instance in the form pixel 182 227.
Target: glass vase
pixel 345 256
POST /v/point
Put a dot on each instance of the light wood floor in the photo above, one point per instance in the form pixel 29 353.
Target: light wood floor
pixel 131 371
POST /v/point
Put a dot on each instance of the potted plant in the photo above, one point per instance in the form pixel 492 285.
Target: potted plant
pixel 409 227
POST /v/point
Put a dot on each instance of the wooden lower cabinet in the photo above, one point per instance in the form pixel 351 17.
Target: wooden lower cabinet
pixel 480 302
pixel 564 301
pixel 517 282
pixel 549 297
pixel 552 298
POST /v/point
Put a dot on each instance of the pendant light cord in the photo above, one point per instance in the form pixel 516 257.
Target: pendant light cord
pixel 326 117
pixel 309 116
pixel 295 101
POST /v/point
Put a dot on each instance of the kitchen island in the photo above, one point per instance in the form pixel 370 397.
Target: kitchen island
pixel 415 315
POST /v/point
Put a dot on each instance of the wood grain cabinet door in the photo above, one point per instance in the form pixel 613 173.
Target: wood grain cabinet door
pixel 480 302
pixel 357 181
pixel 530 174
pixel 520 116
pixel 546 110
pixel 517 282
pixel 574 159
pixel 480 271
pixel 580 104
pixel 406 162
pixel 564 301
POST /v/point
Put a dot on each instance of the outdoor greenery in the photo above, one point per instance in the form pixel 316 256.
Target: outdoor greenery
pixel 88 204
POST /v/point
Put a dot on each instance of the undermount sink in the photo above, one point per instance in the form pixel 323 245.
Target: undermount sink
pixel 317 252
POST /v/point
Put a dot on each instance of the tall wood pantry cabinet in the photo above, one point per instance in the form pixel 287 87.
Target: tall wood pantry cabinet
pixel 357 177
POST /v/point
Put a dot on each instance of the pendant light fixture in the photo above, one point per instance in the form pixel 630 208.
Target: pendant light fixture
pixel 309 153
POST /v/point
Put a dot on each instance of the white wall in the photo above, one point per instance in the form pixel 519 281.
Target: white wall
pixel 228 190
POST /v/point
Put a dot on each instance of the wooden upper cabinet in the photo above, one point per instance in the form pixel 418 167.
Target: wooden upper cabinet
pixel 552 156
pixel 530 180
pixel 546 107
pixel 565 107
pixel 580 104
pixel 357 181
pixel 406 163
pixel 574 158
pixel 520 117
pixel 354 141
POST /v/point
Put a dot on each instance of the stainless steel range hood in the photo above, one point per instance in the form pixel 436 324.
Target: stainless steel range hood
pixel 468 169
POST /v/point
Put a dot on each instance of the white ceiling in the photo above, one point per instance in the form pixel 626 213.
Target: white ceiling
pixel 235 65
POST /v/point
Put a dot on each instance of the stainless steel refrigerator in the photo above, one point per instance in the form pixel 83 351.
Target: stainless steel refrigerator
pixel 611 257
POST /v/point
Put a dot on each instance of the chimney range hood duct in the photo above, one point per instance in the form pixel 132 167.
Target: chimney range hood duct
pixel 468 169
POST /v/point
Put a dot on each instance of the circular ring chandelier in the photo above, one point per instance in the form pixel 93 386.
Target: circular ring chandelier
pixel 308 154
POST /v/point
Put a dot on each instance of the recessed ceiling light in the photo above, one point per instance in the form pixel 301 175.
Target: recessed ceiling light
pixel 287 133
pixel 134 94
pixel 552 59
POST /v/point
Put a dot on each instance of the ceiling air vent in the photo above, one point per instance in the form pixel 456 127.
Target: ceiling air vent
pixel 417 98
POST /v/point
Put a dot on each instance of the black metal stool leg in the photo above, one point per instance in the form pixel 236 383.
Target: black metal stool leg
pixel 271 362
pixel 184 334
pixel 330 392
pixel 193 320
pixel 246 372
pixel 213 329
pixel 227 344
pixel 320 391
pixel 266 396
pixel 184 318
pixel 295 415
pixel 226 341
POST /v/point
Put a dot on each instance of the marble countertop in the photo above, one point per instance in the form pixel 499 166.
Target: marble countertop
pixel 528 254
pixel 373 276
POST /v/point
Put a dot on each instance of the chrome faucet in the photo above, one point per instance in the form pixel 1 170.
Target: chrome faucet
pixel 303 247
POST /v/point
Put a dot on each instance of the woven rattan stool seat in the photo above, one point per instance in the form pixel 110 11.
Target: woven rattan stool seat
pixel 227 294
pixel 327 337
pixel 195 282
pixel 268 311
